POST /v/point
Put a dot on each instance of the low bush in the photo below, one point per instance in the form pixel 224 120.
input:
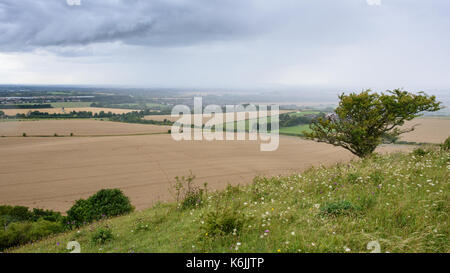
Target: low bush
pixel 18 233
pixel 48 215
pixel 224 221
pixel 10 214
pixel 15 213
pixel 102 235
pixel 79 214
pixel 105 203
pixel 19 225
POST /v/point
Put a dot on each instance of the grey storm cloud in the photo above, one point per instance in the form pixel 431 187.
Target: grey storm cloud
pixel 27 24
pixel 30 24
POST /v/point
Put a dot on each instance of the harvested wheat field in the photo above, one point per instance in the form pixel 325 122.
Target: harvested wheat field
pixel 430 130
pixel 79 127
pixel 13 112
pixel 52 172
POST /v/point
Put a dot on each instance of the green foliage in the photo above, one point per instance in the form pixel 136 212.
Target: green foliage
pixel 289 119
pixel 102 235
pixel 110 202
pixel 79 214
pixel 223 221
pixel 24 106
pixel 338 208
pixel 363 120
pixel 19 225
pixel 47 215
pixel 24 134
pixel 16 213
pixel 105 203
pixel 18 233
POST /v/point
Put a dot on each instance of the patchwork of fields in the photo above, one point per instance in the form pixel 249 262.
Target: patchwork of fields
pixel 53 172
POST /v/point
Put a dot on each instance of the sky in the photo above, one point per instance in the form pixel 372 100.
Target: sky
pixel 379 44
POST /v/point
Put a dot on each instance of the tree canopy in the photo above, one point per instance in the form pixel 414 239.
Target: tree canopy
pixel 362 120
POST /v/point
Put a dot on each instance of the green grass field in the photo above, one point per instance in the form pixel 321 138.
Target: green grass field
pixel 295 130
pixel 399 201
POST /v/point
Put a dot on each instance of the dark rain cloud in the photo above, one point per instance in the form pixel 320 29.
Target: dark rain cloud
pixel 28 24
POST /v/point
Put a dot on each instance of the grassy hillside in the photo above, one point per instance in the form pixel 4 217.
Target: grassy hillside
pixel 402 201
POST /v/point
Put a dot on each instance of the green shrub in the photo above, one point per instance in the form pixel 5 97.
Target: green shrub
pixel 337 208
pixel 24 134
pixel 105 203
pixel 223 221
pixel 12 214
pixel 15 213
pixel 18 233
pixel 48 215
pixel 79 214
pixel 102 235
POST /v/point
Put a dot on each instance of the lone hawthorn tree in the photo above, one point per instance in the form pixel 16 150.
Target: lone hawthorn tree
pixel 361 121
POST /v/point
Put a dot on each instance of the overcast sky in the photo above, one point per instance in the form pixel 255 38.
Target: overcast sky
pixel 227 43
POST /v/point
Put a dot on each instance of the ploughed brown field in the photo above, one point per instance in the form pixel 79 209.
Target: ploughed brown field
pixel 79 127
pixel 53 172
pixel 430 130
pixel 12 112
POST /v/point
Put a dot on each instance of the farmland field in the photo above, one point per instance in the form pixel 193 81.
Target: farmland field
pixel 52 172
pixel 295 130
pixel 431 130
pixel 79 127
